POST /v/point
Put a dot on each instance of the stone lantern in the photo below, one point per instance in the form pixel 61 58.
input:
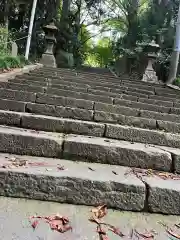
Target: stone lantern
pixel 150 75
pixel 48 58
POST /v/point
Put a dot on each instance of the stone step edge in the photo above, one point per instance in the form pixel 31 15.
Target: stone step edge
pixel 39 89
pixel 134 94
pixel 78 183
pixel 88 149
pixel 34 97
pixel 65 181
pixel 156 89
pixel 10 108
pixel 89 82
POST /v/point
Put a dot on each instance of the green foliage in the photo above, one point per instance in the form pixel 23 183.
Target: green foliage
pixel 8 62
pixel 100 54
pixel 3 39
pixel 177 81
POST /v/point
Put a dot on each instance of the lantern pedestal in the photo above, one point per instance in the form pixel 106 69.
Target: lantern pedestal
pixel 48 58
pixel 150 74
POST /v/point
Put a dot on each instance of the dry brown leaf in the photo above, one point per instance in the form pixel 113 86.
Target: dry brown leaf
pixel 172 233
pixel 34 224
pixel 94 220
pixel 147 235
pixel 56 222
pixel 100 211
pixel 116 231
pixel 102 233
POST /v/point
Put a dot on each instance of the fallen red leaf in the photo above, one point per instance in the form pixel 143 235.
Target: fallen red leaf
pixel 65 229
pixel 116 231
pixel 38 164
pixel 35 223
pixel 56 222
pixel 94 219
pixel 102 233
pixel 100 211
pixel 172 233
pixel 148 235
pixel 61 168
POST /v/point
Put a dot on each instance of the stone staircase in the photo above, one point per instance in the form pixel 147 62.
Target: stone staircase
pixel 82 137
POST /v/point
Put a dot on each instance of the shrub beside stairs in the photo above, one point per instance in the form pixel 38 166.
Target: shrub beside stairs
pixel 88 138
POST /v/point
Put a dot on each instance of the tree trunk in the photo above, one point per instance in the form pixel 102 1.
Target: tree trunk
pixel 175 53
pixel 6 21
pixel 65 9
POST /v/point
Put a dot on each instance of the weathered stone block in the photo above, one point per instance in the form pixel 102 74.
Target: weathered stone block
pixel 164 195
pixel 67 87
pixel 56 83
pixel 116 109
pixel 41 109
pixel 122 153
pixel 128 97
pixel 64 101
pixel 162 98
pixel 32 76
pixel 101 116
pixel 156 102
pixel 10 118
pixel 134 93
pixel 28 142
pixel 138 86
pixel 175 111
pixel 17 95
pixel 53 124
pixel 160 116
pixel 76 185
pixel 142 106
pixel 75 113
pixel 175 153
pixel 29 82
pixel 176 105
pixel 12 105
pixel 142 135
pixel 139 90
pixel 169 126
pixel 79 95
pixel 21 87
pixel 101 92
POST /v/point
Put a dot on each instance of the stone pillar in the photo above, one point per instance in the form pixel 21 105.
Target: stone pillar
pixel 150 74
pixel 48 58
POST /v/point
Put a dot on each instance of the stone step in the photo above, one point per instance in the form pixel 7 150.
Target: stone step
pixel 115 88
pixel 89 184
pixel 60 111
pixel 17 95
pixel 104 90
pixel 78 183
pixel 77 79
pixel 86 81
pixel 30 142
pixel 53 88
pixel 40 122
pixel 23 87
pixel 75 73
pixel 134 108
pixel 84 148
pixel 43 98
pixel 112 80
pixel 139 84
pixel 49 123
pixel 83 110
